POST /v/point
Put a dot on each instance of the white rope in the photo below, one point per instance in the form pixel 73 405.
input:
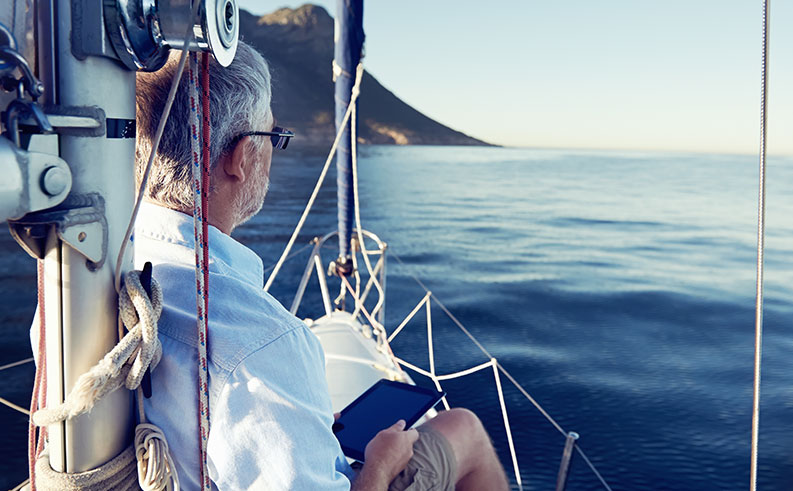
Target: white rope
pixel 532 400
pixel 378 329
pixel 155 468
pixel 16 363
pixel 14 406
pixel 126 363
pixel 493 362
pixel 377 268
pixel 322 174
pixel 506 423
pixel 154 147
pixel 356 200
pixel 409 317
pixel 758 337
pixel 431 353
pixel 448 376
pixel 463 373
pixel 21 485
pixel 117 474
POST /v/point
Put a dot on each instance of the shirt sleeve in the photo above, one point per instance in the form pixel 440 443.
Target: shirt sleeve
pixel 271 424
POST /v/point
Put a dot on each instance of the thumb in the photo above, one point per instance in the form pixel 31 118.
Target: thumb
pixel 399 425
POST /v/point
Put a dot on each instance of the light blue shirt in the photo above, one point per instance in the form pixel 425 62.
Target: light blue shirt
pixel 270 412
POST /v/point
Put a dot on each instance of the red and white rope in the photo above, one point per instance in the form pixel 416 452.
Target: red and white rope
pixel 200 152
pixel 39 397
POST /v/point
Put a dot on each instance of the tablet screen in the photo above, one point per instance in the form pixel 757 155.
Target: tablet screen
pixel 381 406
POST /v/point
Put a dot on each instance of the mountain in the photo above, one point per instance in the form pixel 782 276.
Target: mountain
pixel 298 45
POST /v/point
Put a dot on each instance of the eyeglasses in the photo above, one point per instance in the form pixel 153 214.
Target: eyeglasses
pixel 279 136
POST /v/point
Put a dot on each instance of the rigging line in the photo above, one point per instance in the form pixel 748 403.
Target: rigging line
pixel 155 146
pixel 376 327
pixel 322 174
pixel 409 317
pixel 592 466
pixel 16 363
pixel 14 406
pixel 443 307
pixel 484 350
pixel 295 253
pixel 21 485
pixel 356 200
pixel 758 339
pixel 531 399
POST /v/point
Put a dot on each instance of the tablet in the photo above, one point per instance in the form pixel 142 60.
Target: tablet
pixel 382 405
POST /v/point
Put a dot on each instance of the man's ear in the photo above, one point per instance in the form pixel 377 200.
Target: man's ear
pixel 236 164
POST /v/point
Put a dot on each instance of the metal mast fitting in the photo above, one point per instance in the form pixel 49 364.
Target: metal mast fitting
pixel 142 31
pixel 72 198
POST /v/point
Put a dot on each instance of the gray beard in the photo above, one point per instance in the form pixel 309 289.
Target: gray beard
pixel 248 204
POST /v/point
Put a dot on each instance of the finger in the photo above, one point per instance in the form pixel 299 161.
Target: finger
pixel 336 416
pixel 412 435
pixel 399 425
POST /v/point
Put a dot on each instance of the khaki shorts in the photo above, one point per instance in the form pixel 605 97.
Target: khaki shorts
pixel 433 466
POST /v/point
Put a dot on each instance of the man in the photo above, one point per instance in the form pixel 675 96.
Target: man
pixel 270 410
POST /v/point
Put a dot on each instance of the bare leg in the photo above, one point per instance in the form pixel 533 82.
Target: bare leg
pixel 478 466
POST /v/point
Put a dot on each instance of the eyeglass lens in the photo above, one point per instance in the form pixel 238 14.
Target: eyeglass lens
pixel 279 141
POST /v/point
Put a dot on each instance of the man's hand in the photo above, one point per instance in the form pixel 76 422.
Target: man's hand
pixel 386 456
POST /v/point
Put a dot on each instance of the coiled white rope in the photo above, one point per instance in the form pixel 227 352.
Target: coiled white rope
pixel 125 364
pixel 139 350
pixel 155 468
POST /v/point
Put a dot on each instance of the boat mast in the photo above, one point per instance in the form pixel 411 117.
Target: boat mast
pixel 349 38
pixel 81 302
pixel 87 55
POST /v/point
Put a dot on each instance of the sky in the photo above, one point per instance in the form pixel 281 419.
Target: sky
pixel 677 75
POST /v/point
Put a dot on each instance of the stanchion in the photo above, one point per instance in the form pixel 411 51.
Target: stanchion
pixel 564 467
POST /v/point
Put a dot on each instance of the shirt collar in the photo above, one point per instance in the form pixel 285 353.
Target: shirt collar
pixel 226 255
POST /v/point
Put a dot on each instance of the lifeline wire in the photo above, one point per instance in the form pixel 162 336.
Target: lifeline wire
pixel 270 268
pixel 758 319
pixel 16 363
pixel 502 370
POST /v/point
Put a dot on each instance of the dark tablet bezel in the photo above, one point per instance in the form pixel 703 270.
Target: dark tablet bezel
pixel 434 398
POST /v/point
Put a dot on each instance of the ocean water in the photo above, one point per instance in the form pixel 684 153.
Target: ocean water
pixel 616 287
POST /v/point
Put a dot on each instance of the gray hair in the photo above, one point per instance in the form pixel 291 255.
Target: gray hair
pixel 240 97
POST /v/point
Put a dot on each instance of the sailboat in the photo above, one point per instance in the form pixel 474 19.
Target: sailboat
pixel 72 217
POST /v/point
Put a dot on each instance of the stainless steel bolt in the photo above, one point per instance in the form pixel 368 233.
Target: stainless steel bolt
pixel 54 181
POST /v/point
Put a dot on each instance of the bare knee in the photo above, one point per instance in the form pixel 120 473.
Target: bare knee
pixel 465 433
pixel 461 419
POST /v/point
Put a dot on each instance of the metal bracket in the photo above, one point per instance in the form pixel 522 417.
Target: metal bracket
pixel 31 181
pixel 341 266
pixel 88 35
pixel 69 120
pixel 79 221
